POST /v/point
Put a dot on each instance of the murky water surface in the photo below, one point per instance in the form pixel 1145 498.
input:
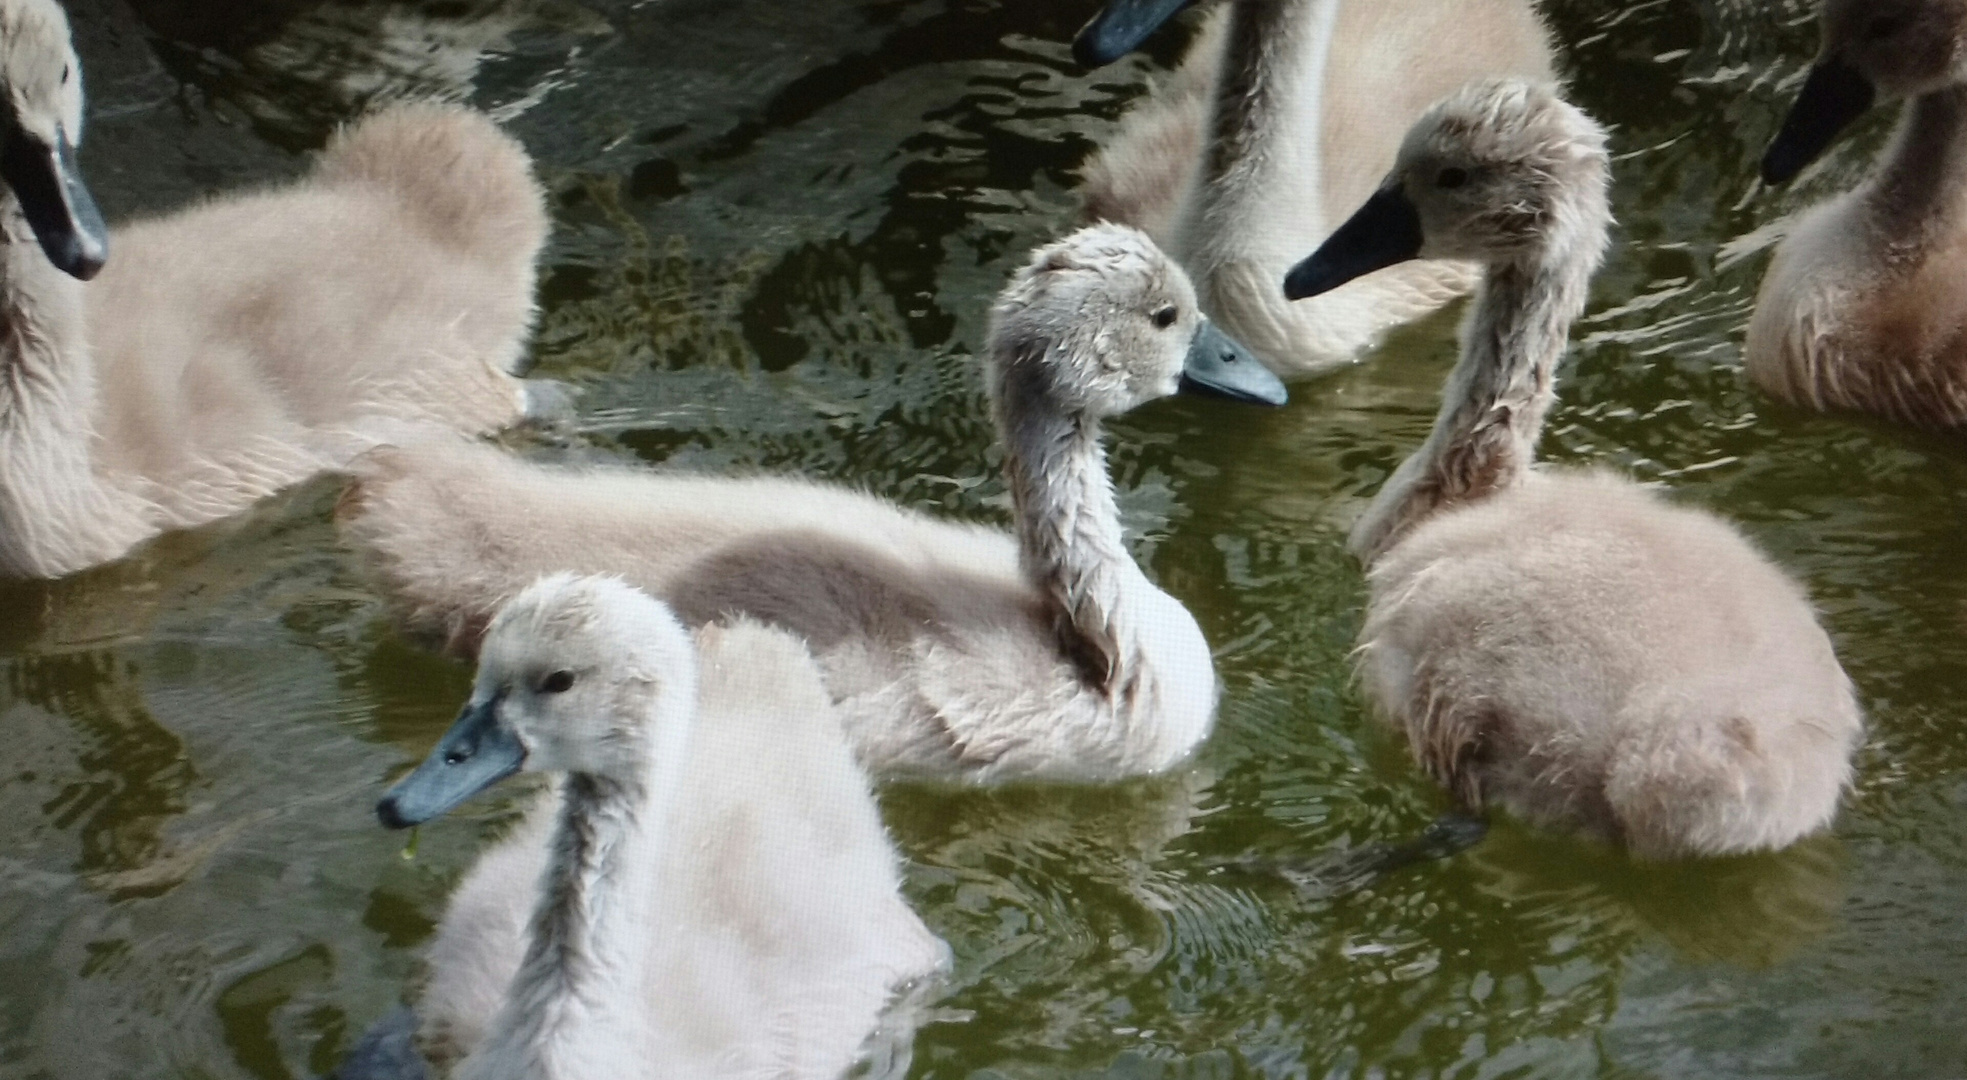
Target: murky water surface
pixel 778 227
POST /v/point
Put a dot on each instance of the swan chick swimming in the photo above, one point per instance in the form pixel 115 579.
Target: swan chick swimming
pixel 1565 644
pixel 710 893
pixel 954 650
pixel 1283 116
pixel 1864 306
pixel 243 345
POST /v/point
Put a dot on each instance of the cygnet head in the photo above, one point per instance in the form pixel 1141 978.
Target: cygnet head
pixel 1102 322
pixel 576 674
pixel 39 131
pixel 1499 172
pixel 1873 50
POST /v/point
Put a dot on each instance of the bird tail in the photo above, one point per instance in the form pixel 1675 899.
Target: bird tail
pixel 1688 786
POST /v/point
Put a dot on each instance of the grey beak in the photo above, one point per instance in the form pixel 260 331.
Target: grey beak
pixel 1119 29
pixel 57 204
pixel 1833 96
pixel 1385 231
pixel 477 752
pixel 1218 365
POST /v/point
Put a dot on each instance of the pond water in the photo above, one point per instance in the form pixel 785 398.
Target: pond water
pixel 778 225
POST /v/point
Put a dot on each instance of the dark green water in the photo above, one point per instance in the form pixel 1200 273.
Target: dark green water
pixel 778 226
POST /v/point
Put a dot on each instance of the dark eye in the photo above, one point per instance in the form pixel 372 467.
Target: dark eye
pixel 64 74
pixel 557 683
pixel 1452 177
pixel 1166 317
pixel 1885 26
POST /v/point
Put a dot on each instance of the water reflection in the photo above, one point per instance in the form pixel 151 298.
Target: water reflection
pixel 103 771
pixel 1749 911
pixel 299 68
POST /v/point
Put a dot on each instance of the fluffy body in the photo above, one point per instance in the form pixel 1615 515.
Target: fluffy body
pixel 1282 117
pixel 1566 645
pixel 1864 306
pixel 238 347
pixel 736 915
pixel 952 650
pixel 1584 654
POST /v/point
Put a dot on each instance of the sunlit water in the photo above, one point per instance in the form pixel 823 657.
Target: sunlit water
pixel 778 227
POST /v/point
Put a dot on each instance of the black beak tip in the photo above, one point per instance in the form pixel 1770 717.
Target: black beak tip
pixel 1386 230
pixel 1834 95
pixel 1096 48
pixel 1119 27
pixel 82 261
pixel 1777 169
pixel 389 814
pixel 1306 280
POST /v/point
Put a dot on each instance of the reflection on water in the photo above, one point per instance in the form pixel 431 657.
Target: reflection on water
pixel 1750 911
pixel 129 774
pixel 298 68
pixel 777 229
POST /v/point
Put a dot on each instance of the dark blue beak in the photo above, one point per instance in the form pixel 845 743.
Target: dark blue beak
pixel 1385 231
pixel 476 753
pixel 57 205
pixel 1833 96
pixel 1219 365
pixel 1119 29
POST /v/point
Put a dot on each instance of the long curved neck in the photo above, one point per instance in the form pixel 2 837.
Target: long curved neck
pixel 1492 410
pixel 1260 184
pixel 1069 538
pixel 1919 195
pixel 52 513
pixel 43 350
pixel 571 1012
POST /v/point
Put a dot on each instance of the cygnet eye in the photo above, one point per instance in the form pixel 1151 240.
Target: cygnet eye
pixel 1166 317
pixel 1451 178
pixel 558 682
pixel 64 74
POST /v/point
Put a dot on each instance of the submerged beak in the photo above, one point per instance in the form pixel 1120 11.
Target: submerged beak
pixel 57 205
pixel 1833 96
pixel 1217 364
pixel 1385 231
pixel 476 753
pixel 1119 29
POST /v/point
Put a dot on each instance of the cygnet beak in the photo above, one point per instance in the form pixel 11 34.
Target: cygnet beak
pixel 1219 365
pixel 477 752
pixel 57 204
pixel 1385 231
pixel 1119 28
pixel 1833 96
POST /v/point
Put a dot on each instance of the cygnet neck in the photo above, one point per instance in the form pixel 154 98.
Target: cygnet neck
pixel 56 514
pixel 1068 525
pixel 573 1011
pixel 1263 169
pixel 41 338
pixel 1492 410
pixel 1919 195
